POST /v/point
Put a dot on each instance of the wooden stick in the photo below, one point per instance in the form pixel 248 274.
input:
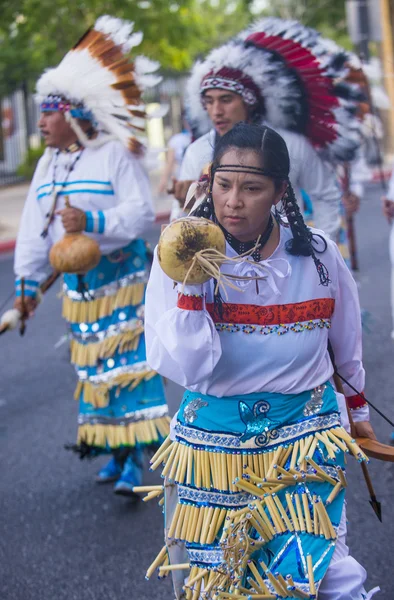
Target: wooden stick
pixel 310 574
pixel 179 567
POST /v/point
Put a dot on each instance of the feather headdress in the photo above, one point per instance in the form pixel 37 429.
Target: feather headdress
pixel 294 79
pixel 97 81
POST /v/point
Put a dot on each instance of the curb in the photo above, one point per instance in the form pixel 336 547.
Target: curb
pixel 162 216
pixel 9 245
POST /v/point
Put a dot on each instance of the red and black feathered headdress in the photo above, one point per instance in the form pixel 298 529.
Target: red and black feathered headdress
pixel 293 78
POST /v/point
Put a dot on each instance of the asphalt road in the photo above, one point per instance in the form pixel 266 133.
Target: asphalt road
pixel 63 536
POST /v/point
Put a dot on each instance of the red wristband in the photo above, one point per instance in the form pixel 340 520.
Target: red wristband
pixel 190 302
pixel 356 401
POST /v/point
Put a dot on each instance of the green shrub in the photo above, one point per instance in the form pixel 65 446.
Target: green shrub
pixel 27 168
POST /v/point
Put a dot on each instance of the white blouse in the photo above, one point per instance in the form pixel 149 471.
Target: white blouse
pixel 271 337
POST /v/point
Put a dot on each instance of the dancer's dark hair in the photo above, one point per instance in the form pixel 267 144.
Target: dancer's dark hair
pixel 275 163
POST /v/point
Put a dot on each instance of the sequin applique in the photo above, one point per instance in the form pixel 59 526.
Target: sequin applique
pixel 190 412
pixel 315 404
pixel 258 425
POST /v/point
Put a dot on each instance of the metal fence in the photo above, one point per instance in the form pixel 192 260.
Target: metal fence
pixel 19 115
pixel 18 131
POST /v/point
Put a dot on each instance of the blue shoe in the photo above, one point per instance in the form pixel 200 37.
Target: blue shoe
pixel 131 476
pixel 111 472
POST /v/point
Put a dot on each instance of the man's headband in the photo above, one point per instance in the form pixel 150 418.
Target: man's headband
pixel 232 80
pixel 59 104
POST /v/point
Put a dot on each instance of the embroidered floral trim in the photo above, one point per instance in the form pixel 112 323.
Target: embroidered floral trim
pixel 251 314
pixel 206 497
pixel 280 329
pixel 190 302
pixel 209 557
pixel 356 401
pixel 288 433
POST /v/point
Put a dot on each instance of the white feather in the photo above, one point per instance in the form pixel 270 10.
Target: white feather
pixel 81 78
pixel 145 65
pixel 11 318
pixel 281 91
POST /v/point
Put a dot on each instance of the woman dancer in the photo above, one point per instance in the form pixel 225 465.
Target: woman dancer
pixel 255 469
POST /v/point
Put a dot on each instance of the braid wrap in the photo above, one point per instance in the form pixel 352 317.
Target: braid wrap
pixel 302 242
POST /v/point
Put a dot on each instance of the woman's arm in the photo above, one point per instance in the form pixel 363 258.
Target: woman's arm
pixel 345 336
pixel 181 340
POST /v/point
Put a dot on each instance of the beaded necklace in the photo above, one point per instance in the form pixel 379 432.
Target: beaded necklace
pixel 50 215
pixel 242 247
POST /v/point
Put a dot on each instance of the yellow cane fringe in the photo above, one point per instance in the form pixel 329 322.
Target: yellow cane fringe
pixel 115 436
pixel 232 472
pixel 261 475
pixel 98 395
pixel 75 311
pixel 87 355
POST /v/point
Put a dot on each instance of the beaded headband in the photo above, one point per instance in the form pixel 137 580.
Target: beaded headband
pixel 230 85
pixel 53 103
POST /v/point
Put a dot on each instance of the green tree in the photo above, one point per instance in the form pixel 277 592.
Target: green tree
pixel 35 34
pixel 327 16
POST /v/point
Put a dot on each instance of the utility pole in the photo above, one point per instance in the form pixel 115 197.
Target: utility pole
pixel 363 16
pixel 387 50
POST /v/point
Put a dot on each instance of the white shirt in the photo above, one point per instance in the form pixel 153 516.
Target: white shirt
pixel 307 171
pixel 179 142
pixel 223 359
pixel 108 182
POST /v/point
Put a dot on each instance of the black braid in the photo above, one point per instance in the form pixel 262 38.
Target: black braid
pixel 303 239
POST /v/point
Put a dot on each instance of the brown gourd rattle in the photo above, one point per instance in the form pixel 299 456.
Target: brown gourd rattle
pixel 75 253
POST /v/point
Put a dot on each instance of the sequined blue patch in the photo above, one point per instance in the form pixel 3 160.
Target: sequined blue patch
pixel 258 425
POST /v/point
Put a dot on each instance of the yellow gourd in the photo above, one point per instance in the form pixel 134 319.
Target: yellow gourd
pixel 75 253
pixel 179 243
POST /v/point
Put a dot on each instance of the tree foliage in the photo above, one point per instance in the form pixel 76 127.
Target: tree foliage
pixel 35 34
pixel 327 16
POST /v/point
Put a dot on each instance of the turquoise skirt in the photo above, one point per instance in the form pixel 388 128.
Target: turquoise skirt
pixel 121 400
pixel 254 492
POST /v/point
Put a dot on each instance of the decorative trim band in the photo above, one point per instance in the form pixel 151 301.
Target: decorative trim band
pixel 356 401
pixel 107 290
pixel 95 221
pixel 146 414
pixel 231 500
pixel 288 433
pixel 189 302
pixel 251 314
pixel 209 557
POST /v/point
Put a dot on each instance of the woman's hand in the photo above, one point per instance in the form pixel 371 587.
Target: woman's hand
pixel 73 219
pixel 364 429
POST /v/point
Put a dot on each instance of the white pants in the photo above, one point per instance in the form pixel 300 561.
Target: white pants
pixel 391 249
pixel 345 577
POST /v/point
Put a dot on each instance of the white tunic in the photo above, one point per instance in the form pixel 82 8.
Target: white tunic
pixel 276 337
pixel 108 182
pixel 307 172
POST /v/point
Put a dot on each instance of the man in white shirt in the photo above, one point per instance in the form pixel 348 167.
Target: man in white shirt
pixel 91 179
pixel 229 88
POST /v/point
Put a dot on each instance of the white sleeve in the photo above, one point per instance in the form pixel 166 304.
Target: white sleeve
pixel 32 251
pixel 190 168
pixel 318 179
pixel 390 193
pixel 345 335
pixel 181 344
pixel 133 212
